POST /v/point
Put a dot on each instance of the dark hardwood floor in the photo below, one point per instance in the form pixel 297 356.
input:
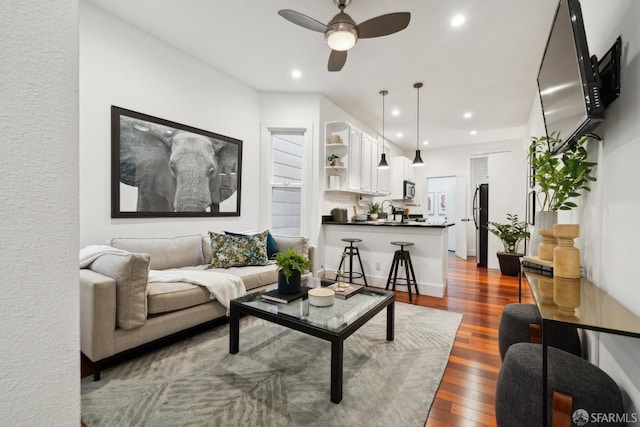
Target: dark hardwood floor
pixel 466 394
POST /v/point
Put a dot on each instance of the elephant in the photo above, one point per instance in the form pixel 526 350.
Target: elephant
pixel 176 170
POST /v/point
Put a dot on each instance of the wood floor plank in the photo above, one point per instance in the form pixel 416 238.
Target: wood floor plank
pixel 466 393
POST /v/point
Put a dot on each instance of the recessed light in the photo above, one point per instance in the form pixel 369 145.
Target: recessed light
pixel 395 112
pixel 296 74
pixel 399 135
pixel 457 20
pixel 467 115
pixel 473 132
pixel 425 142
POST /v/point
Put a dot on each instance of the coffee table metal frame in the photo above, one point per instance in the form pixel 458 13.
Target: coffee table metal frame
pixel 336 338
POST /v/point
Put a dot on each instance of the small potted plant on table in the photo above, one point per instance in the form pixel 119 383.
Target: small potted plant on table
pixel 291 266
pixel 511 234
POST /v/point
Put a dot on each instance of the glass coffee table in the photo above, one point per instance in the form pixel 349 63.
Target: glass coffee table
pixel 334 323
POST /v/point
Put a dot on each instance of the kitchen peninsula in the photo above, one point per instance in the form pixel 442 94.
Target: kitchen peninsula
pixel 428 255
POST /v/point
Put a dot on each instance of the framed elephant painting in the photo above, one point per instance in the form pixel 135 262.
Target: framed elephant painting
pixel 161 168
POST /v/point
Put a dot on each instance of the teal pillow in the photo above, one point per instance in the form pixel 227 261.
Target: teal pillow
pixel 238 251
pixel 272 249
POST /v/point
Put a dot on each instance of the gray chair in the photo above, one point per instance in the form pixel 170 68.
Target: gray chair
pixel 521 323
pixel 572 384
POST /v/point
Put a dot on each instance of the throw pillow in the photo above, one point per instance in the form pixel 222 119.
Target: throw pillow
pixel 272 249
pixel 130 272
pixel 238 251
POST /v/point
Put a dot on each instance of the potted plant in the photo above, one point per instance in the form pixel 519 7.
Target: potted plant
pixel 374 210
pixel 291 266
pixel 560 179
pixel 333 160
pixel 511 234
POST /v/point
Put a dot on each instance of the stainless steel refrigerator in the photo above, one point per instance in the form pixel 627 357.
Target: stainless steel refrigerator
pixel 481 218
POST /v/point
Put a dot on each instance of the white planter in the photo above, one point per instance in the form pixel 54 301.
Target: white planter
pixel 543 220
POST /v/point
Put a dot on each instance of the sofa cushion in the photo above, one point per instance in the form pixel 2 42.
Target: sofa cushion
pixel 237 251
pixel 299 243
pixel 253 276
pixel 165 297
pixel 171 252
pixel 130 272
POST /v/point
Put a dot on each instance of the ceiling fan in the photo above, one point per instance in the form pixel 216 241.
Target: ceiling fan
pixel 342 33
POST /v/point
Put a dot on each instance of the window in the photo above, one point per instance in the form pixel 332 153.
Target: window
pixel 287 160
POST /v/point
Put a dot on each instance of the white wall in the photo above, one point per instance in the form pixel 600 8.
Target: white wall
pixel 39 361
pixel 608 217
pixel 120 65
pixel 507 194
pixel 446 185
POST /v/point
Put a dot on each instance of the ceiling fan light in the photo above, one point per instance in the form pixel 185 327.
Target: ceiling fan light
pixel 341 36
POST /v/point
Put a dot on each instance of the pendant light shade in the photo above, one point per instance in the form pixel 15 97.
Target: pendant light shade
pixel 417 160
pixel 383 157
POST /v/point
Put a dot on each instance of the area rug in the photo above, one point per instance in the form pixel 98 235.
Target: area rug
pixel 280 377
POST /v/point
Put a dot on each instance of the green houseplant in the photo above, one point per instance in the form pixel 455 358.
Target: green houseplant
pixel 291 266
pixel 374 210
pixel 560 178
pixel 511 234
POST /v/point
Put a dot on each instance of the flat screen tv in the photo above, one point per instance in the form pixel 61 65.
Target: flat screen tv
pixel 569 92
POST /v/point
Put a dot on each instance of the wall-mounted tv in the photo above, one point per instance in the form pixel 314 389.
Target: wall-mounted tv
pixel 569 92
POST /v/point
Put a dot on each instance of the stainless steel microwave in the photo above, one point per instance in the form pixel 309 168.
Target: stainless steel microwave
pixel 409 190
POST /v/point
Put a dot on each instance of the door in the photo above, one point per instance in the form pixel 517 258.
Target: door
pixel 461 219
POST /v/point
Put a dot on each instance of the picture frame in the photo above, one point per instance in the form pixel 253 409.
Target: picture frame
pixel 442 203
pixel 430 203
pixel 161 168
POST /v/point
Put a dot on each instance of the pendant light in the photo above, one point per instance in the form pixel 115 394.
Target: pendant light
pixel 417 161
pixel 383 157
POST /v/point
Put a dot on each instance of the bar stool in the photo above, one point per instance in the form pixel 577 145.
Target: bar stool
pixel 402 257
pixel 352 251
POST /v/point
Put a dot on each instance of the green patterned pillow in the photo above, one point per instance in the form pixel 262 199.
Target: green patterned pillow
pixel 238 251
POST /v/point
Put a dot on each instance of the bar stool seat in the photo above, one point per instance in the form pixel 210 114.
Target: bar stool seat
pixel 352 251
pixel 402 257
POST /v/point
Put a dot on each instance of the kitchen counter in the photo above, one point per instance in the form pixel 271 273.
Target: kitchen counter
pixel 428 254
pixel 407 223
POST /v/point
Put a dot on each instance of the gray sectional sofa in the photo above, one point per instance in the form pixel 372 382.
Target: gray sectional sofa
pixel 121 311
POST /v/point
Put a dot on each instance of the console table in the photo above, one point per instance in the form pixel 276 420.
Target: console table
pixel 580 303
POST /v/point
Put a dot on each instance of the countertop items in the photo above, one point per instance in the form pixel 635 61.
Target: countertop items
pixel 407 223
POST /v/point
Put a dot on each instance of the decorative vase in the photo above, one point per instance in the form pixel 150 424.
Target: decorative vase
pixel 566 257
pixel 373 217
pixel 546 246
pixel 292 286
pixel 566 294
pixel 542 220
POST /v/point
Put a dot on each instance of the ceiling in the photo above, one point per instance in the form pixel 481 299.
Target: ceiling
pixel 487 66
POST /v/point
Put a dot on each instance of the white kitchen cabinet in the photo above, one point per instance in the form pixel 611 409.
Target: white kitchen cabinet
pixel 356 159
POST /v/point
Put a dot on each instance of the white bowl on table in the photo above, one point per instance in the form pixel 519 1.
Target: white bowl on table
pixel 321 297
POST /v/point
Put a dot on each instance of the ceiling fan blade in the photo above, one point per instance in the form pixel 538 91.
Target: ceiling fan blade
pixel 337 60
pixel 383 25
pixel 303 20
